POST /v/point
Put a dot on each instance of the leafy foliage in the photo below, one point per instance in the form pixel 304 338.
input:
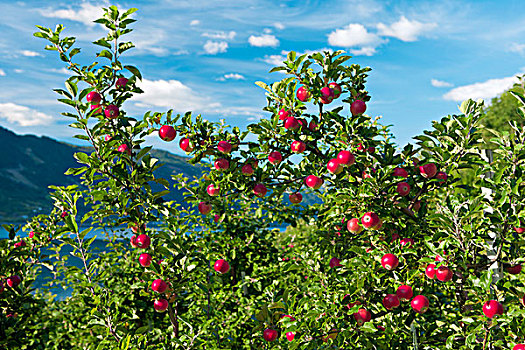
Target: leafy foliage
pixel 322 283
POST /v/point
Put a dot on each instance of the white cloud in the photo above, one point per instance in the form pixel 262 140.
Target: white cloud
pixel 279 25
pixel 2 73
pixel 231 76
pixel 277 60
pixel 215 47
pixel 484 90
pixel 267 31
pixel 404 29
pixel 274 60
pixel 23 115
pixel 86 14
pixel 263 40
pixel 195 22
pixel 221 35
pixel 174 94
pixel 19 71
pixel 60 71
pixel 440 83
pixel 171 94
pixel 354 34
pixel 364 51
pixel 518 48
pixel 28 53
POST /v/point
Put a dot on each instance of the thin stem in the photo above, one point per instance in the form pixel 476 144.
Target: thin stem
pixel 173 313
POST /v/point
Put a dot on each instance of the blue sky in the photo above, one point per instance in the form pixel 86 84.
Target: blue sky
pixel 204 56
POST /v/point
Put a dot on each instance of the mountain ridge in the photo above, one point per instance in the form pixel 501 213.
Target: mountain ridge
pixel 30 164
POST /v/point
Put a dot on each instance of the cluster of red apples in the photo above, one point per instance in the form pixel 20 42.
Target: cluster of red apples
pixel 143 241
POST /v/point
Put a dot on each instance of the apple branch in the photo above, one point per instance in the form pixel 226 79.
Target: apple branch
pixel 173 313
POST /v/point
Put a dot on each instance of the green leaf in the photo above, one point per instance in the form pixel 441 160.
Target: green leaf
pixel 134 71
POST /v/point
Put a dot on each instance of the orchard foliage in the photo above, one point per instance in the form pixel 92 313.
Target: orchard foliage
pixel 396 253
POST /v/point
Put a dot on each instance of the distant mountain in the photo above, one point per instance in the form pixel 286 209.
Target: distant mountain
pixel 29 164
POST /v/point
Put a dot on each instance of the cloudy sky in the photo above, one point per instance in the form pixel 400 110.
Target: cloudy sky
pixel 204 56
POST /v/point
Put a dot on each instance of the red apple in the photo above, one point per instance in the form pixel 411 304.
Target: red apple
pixel 138 228
pixel 430 271
pixel 145 259
pixel 519 347
pixel 514 269
pixel 390 301
pixel 167 133
pixel 327 95
pixel 336 89
pixel 14 281
pixel 247 169
pixel 134 241
pixel 283 114
pixel 345 158
pixel 420 304
pixel 204 208
pixel 371 149
pixel 121 83
pixel 298 146
pixel 93 97
pixel 20 244
pixel 221 266
pixel 213 190
pixel 107 138
pixel 275 157
pixel 444 274
pixel 97 109
pixel 312 126
pixel 295 198
pixel 31 234
pixel 400 172
pixel 389 261
pixel 291 123
pixel 159 286
pixel 303 94
pixel 370 220
pixel 353 225
pixel 270 334
pixel 143 241
pixel 360 147
pixel 111 112
pixel 124 149
pixel 404 292
pixel 160 305
pixel 362 316
pixel 403 188
pixel 442 176
pixel 519 230
pixel 290 336
pixel 222 164
pixel 406 242
pixel 492 308
pixel 224 147
pixel 428 170
pixel 416 206
pixel 186 145
pixel 313 181
pixel 334 262
pixel 358 107
pixel 334 167
pixel 260 190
